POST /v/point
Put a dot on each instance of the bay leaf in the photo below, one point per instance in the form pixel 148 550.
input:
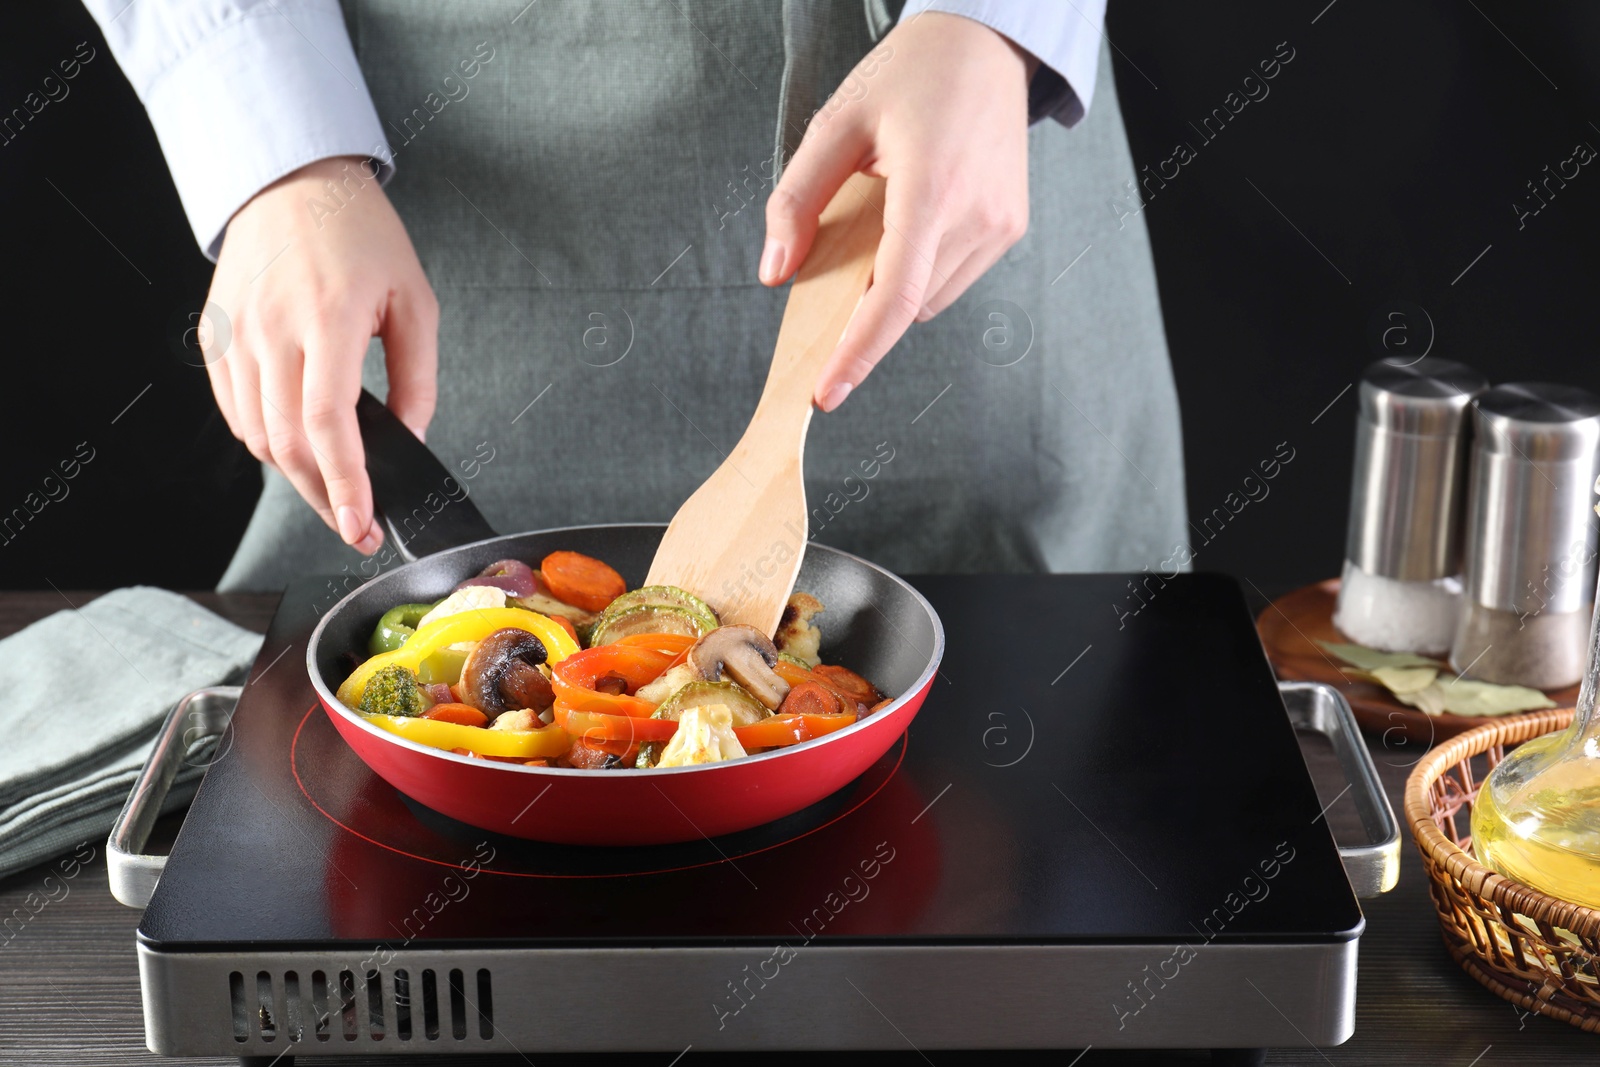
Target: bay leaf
pixel 1463 696
pixel 1370 659
pixel 1429 699
pixel 1405 679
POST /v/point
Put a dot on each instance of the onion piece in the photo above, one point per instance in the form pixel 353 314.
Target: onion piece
pixel 512 576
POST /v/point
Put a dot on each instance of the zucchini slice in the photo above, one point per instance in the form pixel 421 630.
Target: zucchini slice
pixel 664 596
pixel 744 708
pixel 648 619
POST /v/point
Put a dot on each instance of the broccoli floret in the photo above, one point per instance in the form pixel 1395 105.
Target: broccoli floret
pixel 393 690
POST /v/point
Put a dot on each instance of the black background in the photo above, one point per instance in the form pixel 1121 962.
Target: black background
pixel 1385 160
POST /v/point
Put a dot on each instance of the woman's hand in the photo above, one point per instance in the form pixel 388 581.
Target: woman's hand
pixel 307 277
pixel 943 117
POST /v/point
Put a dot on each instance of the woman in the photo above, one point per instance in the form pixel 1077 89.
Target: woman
pixel 606 197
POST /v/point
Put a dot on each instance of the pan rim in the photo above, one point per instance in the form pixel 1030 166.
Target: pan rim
pixel 332 704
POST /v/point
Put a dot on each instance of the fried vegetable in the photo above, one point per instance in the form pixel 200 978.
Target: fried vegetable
pixel 647 619
pixel 470 598
pixel 466 627
pixel 779 731
pixel 397 624
pixel 581 580
pixel 705 735
pixel 393 690
pixel 665 596
pixel 512 577
pixel 544 743
pixel 797 635
pixel 502 673
pixel 676 610
pixel 745 655
pixel 744 708
pixel 810 698
pixel 661 690
pixel 847 682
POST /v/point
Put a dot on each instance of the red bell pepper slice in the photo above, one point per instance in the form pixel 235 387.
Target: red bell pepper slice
pixel 574 681
pixel 779 730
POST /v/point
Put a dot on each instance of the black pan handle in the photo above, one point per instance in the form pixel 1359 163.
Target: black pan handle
pixel 423 506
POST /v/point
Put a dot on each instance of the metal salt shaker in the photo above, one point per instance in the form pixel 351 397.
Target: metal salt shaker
pixel 1530 536
pixel 1400 590
pixel 1530 568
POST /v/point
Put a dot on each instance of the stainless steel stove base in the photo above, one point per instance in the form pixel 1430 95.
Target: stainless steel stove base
pixel 311 1002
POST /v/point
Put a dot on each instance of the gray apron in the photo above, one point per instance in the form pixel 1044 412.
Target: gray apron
pixel 585 185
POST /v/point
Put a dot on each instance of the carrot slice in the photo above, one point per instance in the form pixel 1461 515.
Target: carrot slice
pixel 846 681
pixel 586 756
pixel 581 580
pixel 809 698
pixel 464 714
pixel 566 624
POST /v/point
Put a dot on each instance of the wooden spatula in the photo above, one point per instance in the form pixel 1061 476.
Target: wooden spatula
pixel 738 541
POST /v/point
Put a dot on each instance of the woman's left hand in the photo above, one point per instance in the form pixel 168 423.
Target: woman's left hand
pixel 940 111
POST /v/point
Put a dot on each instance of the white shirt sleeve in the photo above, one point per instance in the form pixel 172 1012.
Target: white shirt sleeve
pixel 242 92
pixel 1064 35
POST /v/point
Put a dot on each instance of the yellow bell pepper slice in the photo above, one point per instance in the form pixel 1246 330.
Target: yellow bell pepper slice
pixel 547 743
pixel 455 629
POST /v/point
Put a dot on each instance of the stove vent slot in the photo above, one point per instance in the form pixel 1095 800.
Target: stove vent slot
pixel 319 1004
pixel 485 1005
pixel 241 1015
pixel 430 1006
pixel 402 1004
pixel 292 1016
pixel 458 1006
pixel 266 1006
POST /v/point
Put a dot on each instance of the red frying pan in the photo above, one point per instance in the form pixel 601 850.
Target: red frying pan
pixel 875 624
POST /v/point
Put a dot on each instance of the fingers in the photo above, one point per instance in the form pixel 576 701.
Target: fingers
pixel 959 279
pixel 955 250
pixel 832 150
pixel 900 277
pixel 222 389
pixel 332 384
pixel 411 355
pixel 280 414
pixel 249 427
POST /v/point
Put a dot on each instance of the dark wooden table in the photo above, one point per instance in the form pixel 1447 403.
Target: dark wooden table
pixel 69 983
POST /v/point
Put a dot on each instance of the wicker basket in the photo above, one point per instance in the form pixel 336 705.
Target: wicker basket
pixel 1530 948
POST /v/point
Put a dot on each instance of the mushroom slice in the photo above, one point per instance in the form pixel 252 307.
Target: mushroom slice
pixel 502 673
pixel 744 654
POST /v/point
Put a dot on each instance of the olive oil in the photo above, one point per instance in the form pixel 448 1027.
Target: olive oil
pixel 1543 828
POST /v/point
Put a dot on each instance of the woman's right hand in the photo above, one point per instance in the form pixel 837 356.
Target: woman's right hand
pixel 306 277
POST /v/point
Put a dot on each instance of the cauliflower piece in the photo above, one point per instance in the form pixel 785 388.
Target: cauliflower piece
pixel 658 691
pixel 520 719
pixel 705 735
pixel 797 635
pixel 472 598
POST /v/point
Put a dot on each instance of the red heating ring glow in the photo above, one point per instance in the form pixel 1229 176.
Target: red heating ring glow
pixel 294 747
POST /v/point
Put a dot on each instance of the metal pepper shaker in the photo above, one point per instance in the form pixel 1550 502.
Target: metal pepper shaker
pixel 1530 536
pixel 1400 589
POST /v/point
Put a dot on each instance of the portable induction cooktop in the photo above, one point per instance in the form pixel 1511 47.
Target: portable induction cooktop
pixel 1099 830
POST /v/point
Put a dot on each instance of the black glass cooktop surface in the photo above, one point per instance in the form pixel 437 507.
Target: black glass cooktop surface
pixel 1098 761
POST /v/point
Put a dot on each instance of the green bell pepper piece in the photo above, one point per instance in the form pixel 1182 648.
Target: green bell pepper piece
pixel 397 624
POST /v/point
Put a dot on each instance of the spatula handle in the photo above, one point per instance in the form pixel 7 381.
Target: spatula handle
pixel 824 295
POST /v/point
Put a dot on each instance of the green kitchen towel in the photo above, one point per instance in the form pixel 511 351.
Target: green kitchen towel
pixel 84 692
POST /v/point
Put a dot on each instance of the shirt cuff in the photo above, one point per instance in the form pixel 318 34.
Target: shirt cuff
pixel 1064 36
pixel 258 96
